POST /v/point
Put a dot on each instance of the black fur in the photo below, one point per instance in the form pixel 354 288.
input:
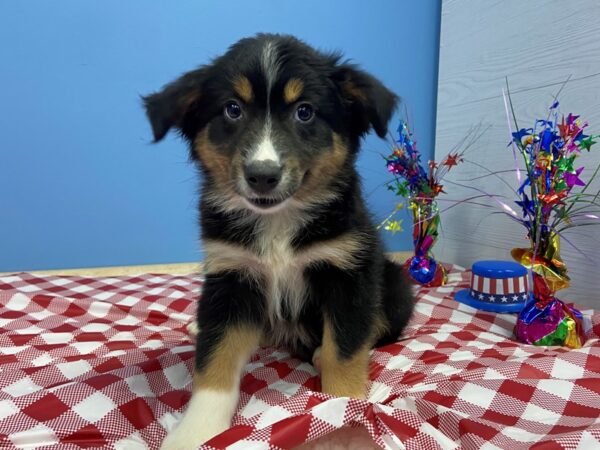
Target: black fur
pixel 348 103
pixel 229 299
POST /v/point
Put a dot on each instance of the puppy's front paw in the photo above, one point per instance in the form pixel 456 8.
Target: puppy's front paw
pixel 186 439
pixel 189 435
pixel 209 413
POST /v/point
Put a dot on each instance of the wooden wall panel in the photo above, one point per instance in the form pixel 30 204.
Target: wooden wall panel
pixel 537 44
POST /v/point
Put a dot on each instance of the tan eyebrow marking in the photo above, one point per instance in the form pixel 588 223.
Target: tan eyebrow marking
pixel 293 90
pixel 243 88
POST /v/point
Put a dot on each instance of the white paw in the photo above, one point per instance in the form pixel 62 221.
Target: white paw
pixel 193 329
pixel 190 436
pixel 209 413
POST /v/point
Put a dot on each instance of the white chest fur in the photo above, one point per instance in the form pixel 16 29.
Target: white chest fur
pixel 279 269
pixel 282 269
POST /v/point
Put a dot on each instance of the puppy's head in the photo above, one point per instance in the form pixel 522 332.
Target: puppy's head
pixel 272 123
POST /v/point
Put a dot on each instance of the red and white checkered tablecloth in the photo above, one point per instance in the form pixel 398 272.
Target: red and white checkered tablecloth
pixel 105 363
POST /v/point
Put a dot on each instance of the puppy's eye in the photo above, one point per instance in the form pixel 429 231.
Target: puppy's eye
pixel 304 112
pixel 233 111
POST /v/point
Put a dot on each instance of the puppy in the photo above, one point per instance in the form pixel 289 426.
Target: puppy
pixel 291 253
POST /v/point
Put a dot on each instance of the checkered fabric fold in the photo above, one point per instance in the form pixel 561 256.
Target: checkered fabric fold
pixel 106 363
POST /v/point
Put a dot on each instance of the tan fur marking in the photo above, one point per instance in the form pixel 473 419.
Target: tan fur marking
pixel 353 91
pixel 343 251
pixel 324 169
pixel 186 100
pixel 243 88
pixel 221 256
pixel 293 90
pixel 227 359
pixel 214 161
pixel 380 327
pixel 342 377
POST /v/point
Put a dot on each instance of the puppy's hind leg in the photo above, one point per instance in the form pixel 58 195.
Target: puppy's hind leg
pixel 398 303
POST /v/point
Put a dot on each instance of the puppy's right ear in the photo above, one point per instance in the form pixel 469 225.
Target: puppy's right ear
pixel 370 103
pixel 167 109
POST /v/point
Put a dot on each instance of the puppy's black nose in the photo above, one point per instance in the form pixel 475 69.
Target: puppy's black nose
pixel 263 176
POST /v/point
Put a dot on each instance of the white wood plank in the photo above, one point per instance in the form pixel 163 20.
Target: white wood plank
pixel 537 44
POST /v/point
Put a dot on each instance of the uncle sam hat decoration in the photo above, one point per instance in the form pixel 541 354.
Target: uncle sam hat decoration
pixel 498 286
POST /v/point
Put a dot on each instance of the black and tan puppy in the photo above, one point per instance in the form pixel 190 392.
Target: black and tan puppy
pixel 291 253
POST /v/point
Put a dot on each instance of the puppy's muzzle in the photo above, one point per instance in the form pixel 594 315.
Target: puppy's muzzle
pixel 263 176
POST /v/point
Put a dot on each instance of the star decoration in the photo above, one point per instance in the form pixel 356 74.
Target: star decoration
pixel 566 164
pixel 572 147
pixel 452 160
pixel 504 299
pixel 394 226
pixel 412 177
pixel 519 135
pixel 492 298
pixel 547 138
pixel 552 198
pixel 572 179
pixel 527 205
pixel 438 189
pixel 587 143
pixel 515 298
pixel 563 129
pixel 544 160
pixel 571 119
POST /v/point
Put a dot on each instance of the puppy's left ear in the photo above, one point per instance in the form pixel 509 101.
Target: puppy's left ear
pixel 167 108
pixel 370 103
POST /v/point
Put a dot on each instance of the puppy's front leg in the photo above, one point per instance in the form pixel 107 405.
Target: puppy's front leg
pixel 229 333
pixel 349 315
pixel 343 375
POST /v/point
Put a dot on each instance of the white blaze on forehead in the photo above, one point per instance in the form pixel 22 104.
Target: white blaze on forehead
pixel 264 150
pixel 270 64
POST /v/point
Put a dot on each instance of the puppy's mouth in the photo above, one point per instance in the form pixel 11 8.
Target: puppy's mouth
pixel 264 202
pixel 270 202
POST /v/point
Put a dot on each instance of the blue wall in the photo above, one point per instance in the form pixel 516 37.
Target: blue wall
pixel 80 184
